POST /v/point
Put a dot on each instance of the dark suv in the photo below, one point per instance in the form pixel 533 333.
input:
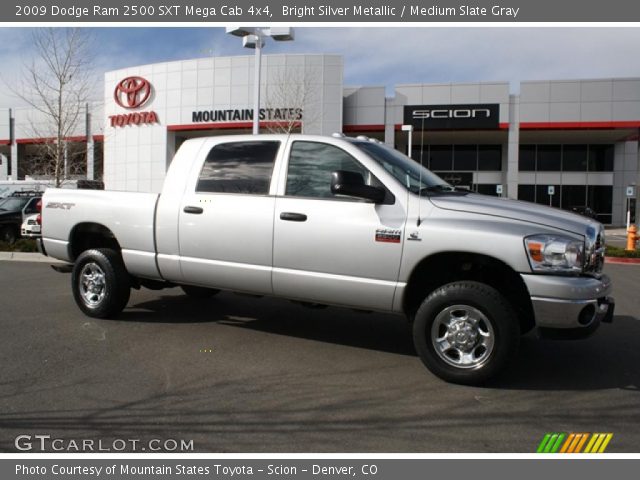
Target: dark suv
pixel 13 211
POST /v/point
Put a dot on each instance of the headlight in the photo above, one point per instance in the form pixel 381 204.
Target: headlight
pixel 554 254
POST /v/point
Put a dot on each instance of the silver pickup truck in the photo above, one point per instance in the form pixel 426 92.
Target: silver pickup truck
pixel 340 221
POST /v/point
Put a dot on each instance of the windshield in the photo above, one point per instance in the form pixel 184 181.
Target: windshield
pixel 13 204
pixel 408 172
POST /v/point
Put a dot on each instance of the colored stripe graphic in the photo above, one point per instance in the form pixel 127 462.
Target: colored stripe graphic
pixel 551 443
pixel 574 443
pixel 558 442
pixel 598 442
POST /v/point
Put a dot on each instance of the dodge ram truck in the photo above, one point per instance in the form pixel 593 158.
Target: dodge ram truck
pixel 340 221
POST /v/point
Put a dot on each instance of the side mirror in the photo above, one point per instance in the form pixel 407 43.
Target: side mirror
pixel 352 184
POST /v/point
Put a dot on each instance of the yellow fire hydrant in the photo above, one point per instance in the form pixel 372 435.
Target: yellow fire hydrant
pixel 632 237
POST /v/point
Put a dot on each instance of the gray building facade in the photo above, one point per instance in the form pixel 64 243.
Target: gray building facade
pixel 565 143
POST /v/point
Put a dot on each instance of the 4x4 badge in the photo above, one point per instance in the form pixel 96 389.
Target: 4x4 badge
pixel 388 235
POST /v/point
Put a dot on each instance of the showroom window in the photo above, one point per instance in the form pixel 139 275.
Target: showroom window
pixel 441 158
pixel 566 158
pixel 490 158
pixel 456 164
pixel 238 167
pixel 460 158
pixel 568 197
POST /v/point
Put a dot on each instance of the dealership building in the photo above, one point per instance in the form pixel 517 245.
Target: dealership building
pixel 566 143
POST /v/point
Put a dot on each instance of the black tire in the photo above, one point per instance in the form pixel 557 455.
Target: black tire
pixel 9 234
pixel 100 283
pixel 199 292
pixel 466 332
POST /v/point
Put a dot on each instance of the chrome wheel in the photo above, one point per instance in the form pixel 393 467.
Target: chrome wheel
pixel 462 336
pixel 92 284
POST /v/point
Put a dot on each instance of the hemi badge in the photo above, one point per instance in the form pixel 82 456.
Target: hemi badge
pixel 387 235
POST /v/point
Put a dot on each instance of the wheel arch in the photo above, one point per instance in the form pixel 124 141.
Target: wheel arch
pixel 88 235
pixel 445 267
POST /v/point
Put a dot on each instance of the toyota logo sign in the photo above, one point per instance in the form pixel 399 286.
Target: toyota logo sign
pixel 132 92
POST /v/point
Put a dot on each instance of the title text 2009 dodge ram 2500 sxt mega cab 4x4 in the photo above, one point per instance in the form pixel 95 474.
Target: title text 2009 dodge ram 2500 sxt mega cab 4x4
pixel 340 221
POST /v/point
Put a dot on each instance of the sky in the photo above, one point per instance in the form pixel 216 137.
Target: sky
pixel 372 56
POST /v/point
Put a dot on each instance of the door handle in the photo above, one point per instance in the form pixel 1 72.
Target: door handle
pixel 194 210
pixel 293 217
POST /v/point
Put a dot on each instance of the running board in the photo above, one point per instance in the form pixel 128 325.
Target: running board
pixel 63 267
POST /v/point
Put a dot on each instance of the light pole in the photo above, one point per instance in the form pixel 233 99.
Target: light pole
pixel 253 37
pixel 409 128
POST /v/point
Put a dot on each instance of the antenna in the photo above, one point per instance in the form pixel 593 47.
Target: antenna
pixel 420 182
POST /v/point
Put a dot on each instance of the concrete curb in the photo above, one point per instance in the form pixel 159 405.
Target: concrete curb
pixel 27 257
pixel 621 261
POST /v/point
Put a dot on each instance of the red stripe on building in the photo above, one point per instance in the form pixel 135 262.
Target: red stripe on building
pixel 229 125
pixel 35 141
pixel 501 126
pixel 579 125
pixel 5 142
pixel 363 128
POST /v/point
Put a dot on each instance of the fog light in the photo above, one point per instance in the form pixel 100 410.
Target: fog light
pixel 587 314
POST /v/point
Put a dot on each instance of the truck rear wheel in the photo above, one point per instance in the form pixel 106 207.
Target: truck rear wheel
pixel 199 292
pixel 100 283
pixel 466 332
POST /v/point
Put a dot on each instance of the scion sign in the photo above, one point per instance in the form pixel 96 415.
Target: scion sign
pixel 452 117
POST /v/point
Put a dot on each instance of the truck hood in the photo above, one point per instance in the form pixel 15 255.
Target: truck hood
pixel 516 210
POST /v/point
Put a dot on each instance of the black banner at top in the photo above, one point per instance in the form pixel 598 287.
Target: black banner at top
pixel 265 11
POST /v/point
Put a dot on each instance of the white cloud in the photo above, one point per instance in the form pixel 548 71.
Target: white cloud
pixel 378 56
pixel 385 56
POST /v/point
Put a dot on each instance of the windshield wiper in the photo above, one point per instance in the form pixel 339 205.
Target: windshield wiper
pixel 438 188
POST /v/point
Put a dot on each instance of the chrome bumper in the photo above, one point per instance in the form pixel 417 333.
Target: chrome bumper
pixel 570 302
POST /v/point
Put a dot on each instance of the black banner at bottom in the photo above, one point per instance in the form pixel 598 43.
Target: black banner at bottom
pixel 546 467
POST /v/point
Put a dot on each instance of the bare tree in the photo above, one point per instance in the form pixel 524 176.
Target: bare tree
pixel 57 83
pixel 291 99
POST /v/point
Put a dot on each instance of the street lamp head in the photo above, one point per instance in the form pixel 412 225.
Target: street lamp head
pixel 251 41
pixel 281 34
pixel 240 31
pixel 407 128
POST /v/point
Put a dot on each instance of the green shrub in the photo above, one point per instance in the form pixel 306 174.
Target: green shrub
pixel 612 251
pixel 21 245
pixel 25 245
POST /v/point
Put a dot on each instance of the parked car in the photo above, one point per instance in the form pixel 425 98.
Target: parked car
pixel 13 211
pixel 31 227
pixel 340 221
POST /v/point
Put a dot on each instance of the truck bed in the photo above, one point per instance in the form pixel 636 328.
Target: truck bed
pixel 128 215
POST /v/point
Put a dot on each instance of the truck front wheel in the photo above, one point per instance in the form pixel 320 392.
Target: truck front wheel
pixel 100 283
pixel 466 332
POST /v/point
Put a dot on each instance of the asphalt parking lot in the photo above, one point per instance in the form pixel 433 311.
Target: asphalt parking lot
pixel 238 374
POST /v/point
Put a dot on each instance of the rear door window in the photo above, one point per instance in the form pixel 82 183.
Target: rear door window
pixel 239 167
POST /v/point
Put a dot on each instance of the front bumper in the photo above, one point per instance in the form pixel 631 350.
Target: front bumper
pixel 570 303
